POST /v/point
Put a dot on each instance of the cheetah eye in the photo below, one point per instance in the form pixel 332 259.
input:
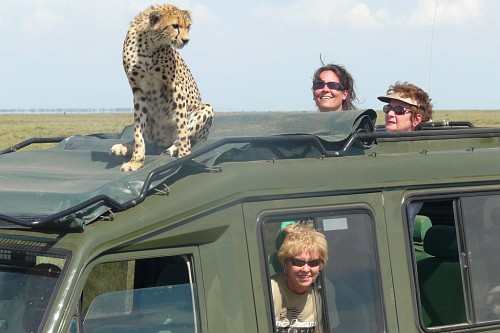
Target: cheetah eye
pixel 175 26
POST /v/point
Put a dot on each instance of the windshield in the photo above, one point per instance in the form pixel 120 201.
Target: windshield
pixel 28 277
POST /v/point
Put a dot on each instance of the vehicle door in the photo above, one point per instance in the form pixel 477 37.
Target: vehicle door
pixel 356 284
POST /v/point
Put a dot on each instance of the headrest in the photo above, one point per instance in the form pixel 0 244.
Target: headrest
pixel 441 241
pixel 420 226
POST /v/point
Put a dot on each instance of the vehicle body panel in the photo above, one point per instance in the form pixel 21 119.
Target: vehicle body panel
pixel 215 216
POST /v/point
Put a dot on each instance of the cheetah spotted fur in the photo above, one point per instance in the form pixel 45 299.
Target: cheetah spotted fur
pixel 167 103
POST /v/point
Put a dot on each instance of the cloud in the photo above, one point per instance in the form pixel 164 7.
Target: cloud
pixel 199 13
pixel 43 21
pixel 202 14
pixel 349 14
pixel 450 12
pixel 318 12
pixel 361 17
pixel 365 15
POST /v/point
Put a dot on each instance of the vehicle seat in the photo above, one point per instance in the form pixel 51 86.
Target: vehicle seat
pixel 173 274
pixel 420 226
pixel 440 279
pixel 274 264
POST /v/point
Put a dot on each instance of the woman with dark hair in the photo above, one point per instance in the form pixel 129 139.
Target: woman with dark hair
pixel 333 88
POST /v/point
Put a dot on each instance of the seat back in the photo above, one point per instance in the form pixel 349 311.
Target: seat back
pixel 274 264
pixel 173 274
pixel 420 226
pixel 440 279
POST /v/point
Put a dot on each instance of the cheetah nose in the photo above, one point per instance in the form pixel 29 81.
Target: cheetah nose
pixel 185 41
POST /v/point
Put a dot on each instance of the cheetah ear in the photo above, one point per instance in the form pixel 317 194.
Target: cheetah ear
pixel 154 17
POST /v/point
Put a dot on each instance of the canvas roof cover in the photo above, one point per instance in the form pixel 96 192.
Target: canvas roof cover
pixel 75 182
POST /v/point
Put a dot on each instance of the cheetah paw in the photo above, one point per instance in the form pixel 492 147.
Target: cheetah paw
pixel 120 150
pixel 172 151
pixel 131 166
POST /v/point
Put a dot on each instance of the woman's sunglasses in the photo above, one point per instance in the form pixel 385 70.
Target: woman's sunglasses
pixel 398 109
pixel 331 85
pixel 299 262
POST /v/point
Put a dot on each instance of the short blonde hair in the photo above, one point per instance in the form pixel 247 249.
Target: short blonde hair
pixel 304 239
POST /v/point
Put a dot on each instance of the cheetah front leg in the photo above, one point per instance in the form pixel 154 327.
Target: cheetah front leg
pixel 139 150
pixel 182 145
pixel 198 124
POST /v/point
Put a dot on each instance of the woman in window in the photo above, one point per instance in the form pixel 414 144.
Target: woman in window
pixel 297 304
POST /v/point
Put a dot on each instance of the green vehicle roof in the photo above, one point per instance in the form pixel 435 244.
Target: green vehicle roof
pixel 75 182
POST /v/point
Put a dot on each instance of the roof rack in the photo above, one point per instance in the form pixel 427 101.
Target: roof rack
pixel 29 142
pixel 431 125
pixel 447 123
pixel 48 221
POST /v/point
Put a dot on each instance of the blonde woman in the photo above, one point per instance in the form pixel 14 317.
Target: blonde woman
pixel 297 304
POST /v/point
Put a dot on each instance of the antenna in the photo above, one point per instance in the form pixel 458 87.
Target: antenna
pixel 432 43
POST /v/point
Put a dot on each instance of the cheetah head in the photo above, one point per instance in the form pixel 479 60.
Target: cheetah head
pixel 170 25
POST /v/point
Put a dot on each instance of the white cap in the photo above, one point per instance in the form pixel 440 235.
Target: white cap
pixel 397 96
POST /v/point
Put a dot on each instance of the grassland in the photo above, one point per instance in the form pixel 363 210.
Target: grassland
pixel 480 118
pixel 17 128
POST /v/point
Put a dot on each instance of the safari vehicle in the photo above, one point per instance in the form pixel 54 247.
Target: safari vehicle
pixel 412 222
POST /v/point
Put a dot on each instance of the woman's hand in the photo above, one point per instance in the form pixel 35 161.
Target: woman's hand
pixel 288 230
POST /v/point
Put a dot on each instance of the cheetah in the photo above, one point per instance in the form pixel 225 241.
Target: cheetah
pixel 167 103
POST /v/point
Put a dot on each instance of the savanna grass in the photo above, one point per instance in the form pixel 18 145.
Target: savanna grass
pixel 16 128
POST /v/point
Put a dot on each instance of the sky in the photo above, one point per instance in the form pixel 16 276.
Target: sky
pixel 250 55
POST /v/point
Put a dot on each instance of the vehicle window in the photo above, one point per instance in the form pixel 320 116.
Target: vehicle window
pixel 353 271
pixel 147 295
pixel 481 219
pixel 457 252
pixel 28 280
pixel 349 284
pixel 437 248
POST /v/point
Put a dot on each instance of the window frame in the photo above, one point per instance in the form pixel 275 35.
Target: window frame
pixel 276 216
pixel 456 201
pixel 192 252
pixel 42 248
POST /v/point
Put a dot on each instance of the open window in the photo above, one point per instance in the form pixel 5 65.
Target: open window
pixel 349 285
pixel 456 250
pixel 146 295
